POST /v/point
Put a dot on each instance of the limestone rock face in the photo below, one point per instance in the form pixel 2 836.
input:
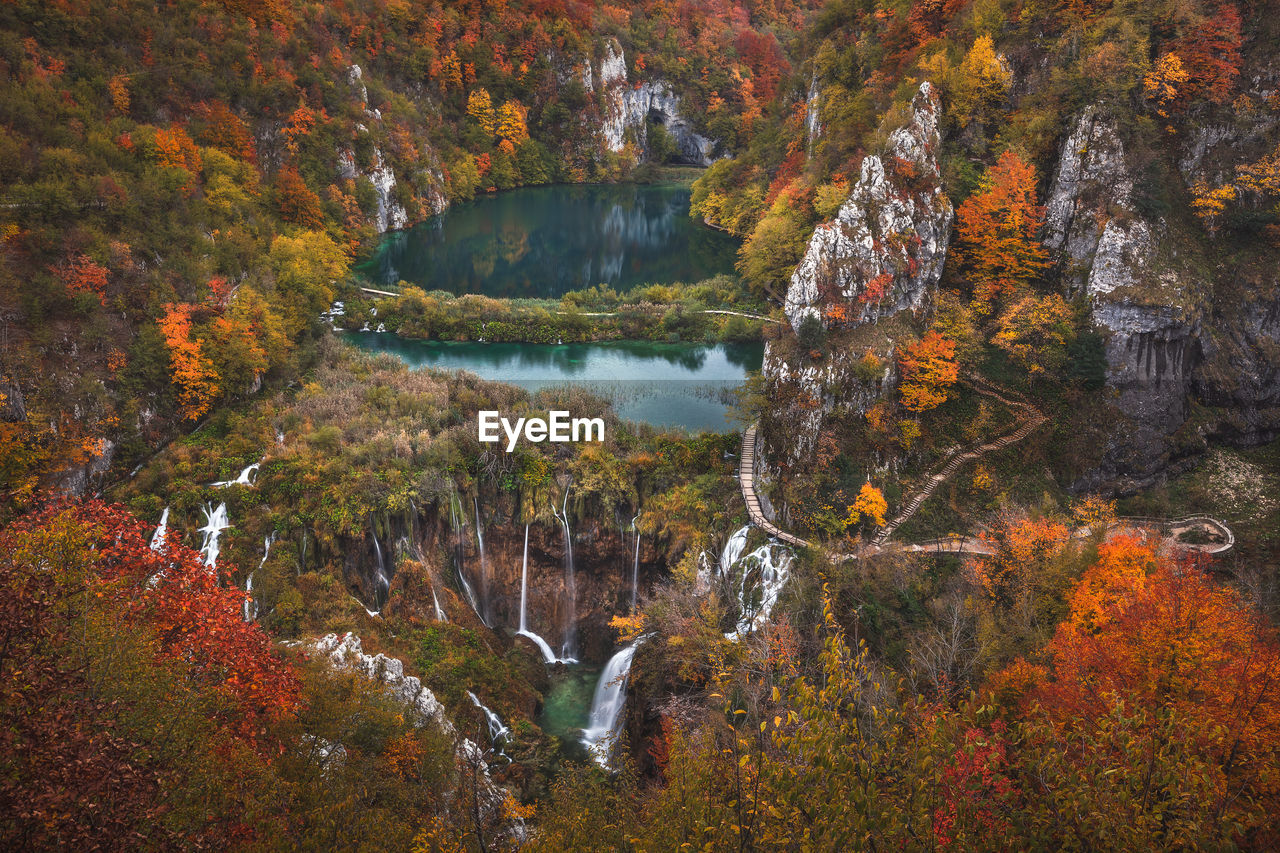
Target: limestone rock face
pixel 1178 333
pixel 879 258
pixel 1090 184
pixel 883 253
pixel 428 179
pixel 629 107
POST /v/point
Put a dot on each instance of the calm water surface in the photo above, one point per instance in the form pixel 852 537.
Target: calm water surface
pixel 544 241
pixel 668 385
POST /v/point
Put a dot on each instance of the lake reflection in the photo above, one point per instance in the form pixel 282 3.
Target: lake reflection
pixel 544 241
pixel 667 385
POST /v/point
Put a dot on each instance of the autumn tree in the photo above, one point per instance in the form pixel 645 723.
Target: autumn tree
pixel 997 228
pixel 980 83
pixel 82 274
pixel 1035 331
pixel 869 506
pixel 1151 633
pixel 307 267
pixel 297 203
pixel 192 371
pixel 480 108
pixel 929 369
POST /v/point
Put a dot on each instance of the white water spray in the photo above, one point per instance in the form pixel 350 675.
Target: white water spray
pixel 499 734
pixel 157 538
pixel 569 649
pixel 486 616
pixel 244 479
pixel 607 703
pixel 215 522
pixel 764 572
pixel 250 603
pixel 635 567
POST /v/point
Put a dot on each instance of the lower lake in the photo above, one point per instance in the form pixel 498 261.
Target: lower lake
pixel 668 385
pixel 543 241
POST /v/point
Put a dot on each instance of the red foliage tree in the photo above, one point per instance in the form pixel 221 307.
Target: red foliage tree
pixel 82 274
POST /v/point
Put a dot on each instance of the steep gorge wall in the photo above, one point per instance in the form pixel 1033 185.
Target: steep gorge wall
pixel 1180 332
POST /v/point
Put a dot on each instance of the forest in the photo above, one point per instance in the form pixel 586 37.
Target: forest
pixel 984 558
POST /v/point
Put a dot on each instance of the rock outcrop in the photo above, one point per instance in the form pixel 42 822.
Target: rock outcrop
pixel 881 257
pixel 630 107
pixel 883 253
pixel 428 181
pixel 1193 351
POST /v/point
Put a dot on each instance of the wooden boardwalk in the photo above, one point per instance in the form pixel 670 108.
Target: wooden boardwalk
pixel 747 481
pixel 1171 529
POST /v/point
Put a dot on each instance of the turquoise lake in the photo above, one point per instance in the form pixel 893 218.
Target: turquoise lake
pixel 543 241
pixel 671 385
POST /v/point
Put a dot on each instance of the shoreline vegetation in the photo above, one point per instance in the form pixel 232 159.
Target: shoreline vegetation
pixel 716 310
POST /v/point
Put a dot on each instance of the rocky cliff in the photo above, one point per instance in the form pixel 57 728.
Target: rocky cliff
pixel 629 107
pixel 868 275
pixel 1181 335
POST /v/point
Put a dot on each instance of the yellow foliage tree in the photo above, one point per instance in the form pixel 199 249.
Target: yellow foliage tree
pixel 480 108
pixel 981 82
pixel 511 122
pixel 870 505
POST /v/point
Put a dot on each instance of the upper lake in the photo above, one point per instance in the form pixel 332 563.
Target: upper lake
pixel 539 242
pixel 685 386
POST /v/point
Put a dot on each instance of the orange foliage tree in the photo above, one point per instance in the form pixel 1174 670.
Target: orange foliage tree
pixel 225 131
pixel 997 232
pixel 298 204
pixel 929 368
pixel 176 150
pixel 1152 632
pixel 193 372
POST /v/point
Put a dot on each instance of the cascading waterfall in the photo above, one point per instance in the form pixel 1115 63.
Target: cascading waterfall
pixel 607 703
pixel 157 538
pixel 499 734
pixel 440 614
pixel 245 478
pixel 771 564
pixel 455 512
pixel 383 590
pixel 733 548
pixel 486 613
pixel 569 649
pixel 635 567
pixel 250 603
pixel 215 522
pixel 547 655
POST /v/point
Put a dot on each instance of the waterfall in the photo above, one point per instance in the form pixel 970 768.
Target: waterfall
pixel 635 567
pixel 607 703
pixel 570 647
pixel 215 522
pixel 772 563
pixel 383 590
pixel 733 548
pixel 440 615
pixel 485 606
pixel 547 655
pixel 454 517
pixel 250 604
pixel 499 734
pixel 157 538
pixel 245 478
